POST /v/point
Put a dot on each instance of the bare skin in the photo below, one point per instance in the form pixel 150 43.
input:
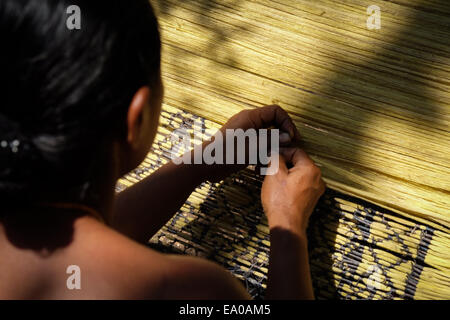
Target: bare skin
pixel 115 264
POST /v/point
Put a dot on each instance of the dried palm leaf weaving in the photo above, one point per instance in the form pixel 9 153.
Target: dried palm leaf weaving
pixel 373 108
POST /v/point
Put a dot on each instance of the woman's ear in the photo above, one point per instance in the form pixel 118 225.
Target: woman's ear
pixel 135 113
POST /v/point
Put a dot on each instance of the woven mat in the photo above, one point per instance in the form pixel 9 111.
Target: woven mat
pixel 372 105
pixel 357 250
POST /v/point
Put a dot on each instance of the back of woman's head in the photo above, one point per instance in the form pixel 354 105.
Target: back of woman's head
pixel 64 93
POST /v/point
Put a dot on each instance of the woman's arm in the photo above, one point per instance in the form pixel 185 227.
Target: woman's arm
pixel 289 275
pixel 141 210
pixel 289 198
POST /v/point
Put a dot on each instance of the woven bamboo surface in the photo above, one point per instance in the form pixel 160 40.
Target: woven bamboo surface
pixel 357 250
pixel 373 106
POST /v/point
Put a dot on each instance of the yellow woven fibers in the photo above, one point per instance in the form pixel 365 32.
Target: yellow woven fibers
pixel 373 106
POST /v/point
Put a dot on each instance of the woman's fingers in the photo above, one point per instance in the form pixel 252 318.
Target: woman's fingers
pixel 274 115
pixel 296 156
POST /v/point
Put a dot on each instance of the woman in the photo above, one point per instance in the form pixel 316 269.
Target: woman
pixel 79 109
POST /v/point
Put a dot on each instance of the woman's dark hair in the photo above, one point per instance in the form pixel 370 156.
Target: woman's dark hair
pixel 64 94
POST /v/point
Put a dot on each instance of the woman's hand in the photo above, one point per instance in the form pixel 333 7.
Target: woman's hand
pixel 262 118
pixel 289 196
pixel 266 117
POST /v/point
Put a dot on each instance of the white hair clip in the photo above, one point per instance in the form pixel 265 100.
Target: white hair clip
pixel 14 145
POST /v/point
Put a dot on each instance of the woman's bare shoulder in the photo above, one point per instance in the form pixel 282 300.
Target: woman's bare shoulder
pixel 93 262
pixel 116 267
pixel 143 273
pixel 101 263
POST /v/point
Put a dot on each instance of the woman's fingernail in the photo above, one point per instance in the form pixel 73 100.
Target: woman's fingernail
pixel 285 137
